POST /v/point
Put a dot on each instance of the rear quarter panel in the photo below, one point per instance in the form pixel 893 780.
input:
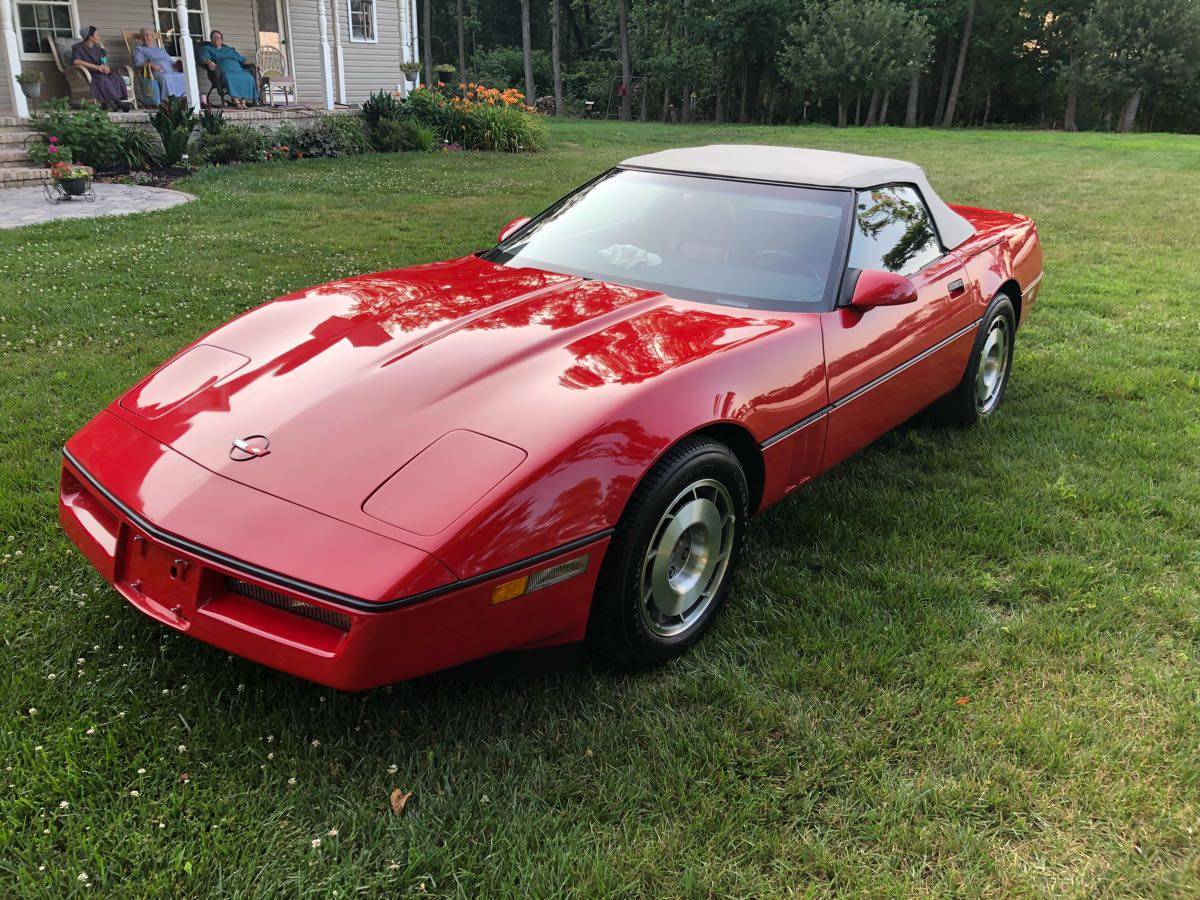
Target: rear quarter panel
pixel 1005 247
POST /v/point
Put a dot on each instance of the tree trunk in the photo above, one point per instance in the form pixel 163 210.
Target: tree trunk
pixel 626 67
pixel 427 43
pixel 666 104
pixel 947 68
pixel 883 106
pixel 772 93
pixel 1069 123
pixel 952 100
pixel 742 107
pixel 527 53
pixel 644 114
pixel 462 44
pixel 1129 112
pixel 719 104
pixel 857 109
pixel 556 58
pixel 841 112
pixel 685 107
pixel 914 100
pixel 873 108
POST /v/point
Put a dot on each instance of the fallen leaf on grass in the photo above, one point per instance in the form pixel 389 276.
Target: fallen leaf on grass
pixel 400 800
pixel 963 701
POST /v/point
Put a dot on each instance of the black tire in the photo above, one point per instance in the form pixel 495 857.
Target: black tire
pixel 964 405
pixel 622 628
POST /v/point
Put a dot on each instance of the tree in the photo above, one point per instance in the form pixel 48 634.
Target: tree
pixel 462 44
pixel 829 43
pixel 964 42
pixel 626 67
pixel 1137 46
pixel 555 58
pixel 527 51
pixel 427 43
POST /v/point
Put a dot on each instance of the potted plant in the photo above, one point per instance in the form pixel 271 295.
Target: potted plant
pixel 31 83
pixel 73 178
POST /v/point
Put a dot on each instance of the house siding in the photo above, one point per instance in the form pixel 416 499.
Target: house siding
pixel 371 67
pixel 6 98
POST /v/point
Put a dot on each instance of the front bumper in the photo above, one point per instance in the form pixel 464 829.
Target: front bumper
pixel 323 634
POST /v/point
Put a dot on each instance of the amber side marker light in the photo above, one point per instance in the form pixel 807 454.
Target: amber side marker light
pixel 544 578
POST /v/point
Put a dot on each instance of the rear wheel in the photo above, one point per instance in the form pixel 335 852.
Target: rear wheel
pixel 982 388
pixel 668 570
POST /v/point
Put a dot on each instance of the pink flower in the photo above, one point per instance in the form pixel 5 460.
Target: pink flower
pixel 52 149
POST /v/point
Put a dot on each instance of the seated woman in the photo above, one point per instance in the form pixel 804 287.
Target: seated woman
pixel 165 81
pixel 217 55
pixel 108 88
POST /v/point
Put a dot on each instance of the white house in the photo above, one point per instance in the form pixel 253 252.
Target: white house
pixel 339 51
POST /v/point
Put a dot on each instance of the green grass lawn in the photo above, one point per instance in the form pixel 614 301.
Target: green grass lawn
pixel 962 662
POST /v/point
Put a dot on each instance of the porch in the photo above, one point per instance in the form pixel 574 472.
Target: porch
pixel 338 51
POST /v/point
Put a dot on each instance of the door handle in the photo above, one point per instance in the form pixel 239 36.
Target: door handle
pixel 956 287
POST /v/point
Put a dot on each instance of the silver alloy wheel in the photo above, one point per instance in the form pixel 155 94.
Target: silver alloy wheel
pixel 993 366
pixel 687 558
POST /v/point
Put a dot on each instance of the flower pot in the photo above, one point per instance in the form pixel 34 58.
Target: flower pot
pixel 76 187
pixel 32 91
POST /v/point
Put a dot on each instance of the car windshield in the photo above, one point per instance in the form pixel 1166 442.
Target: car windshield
pixel 732 242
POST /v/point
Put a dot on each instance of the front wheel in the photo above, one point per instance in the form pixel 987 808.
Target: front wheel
pixel 982 388
pixel 668 570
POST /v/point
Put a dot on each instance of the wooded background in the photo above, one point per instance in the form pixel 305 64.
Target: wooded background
pixel 1076 64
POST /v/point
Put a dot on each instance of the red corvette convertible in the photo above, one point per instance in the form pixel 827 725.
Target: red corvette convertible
pixel 560 438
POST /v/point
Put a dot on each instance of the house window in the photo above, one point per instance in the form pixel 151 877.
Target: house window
pixel 40 20
pixel 168 23
pixel 362 21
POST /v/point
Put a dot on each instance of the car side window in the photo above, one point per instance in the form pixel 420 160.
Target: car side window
pixel 892 231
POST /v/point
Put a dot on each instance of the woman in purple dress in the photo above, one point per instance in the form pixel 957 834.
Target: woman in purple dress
pixel 108 88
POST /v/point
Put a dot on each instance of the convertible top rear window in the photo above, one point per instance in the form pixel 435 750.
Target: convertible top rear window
pixel 739 243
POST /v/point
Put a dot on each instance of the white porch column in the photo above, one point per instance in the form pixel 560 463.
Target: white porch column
pixel 339 60
pixel 188 53
pixel 13 54
pixel 326 62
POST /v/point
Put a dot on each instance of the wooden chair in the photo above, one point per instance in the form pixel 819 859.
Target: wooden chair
pixel 273 77
pixel 80 79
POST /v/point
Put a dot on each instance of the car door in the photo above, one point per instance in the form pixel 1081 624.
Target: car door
pixel 886 363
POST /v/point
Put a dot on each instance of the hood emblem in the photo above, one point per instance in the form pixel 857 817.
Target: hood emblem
pixel 250 447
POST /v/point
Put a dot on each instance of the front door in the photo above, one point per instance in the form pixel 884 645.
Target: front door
pixel 886 364
pixel 271 32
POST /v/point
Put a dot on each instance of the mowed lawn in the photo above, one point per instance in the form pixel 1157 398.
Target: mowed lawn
pixel 963 662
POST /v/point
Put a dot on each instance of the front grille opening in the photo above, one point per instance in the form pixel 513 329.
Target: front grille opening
pixel 337 620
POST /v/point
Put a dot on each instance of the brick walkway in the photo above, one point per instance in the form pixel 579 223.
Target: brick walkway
pixel 28 206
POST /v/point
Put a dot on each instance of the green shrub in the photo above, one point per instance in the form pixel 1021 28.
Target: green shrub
pixel 349 134
pixel 395 136
pixel 232 144
pixel 138 150
pixel 379 107
pixel 88 135
pixel 211 121
pixel 327 136
pixel 174 121
pixel 504 67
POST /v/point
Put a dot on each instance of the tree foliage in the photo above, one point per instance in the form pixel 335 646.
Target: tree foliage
pixel 1040 63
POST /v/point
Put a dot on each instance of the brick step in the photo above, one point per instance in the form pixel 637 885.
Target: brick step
pixel 17 177
pixel 14 138
pixel 14 156
pixel 13 122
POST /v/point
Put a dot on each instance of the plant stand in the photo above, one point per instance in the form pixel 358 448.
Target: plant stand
pixel 56 193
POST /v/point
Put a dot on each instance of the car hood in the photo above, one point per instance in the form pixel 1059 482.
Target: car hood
pixel 348 381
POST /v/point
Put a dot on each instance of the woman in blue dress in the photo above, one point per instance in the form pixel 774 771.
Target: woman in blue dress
pixel 219 55
pixel 164 80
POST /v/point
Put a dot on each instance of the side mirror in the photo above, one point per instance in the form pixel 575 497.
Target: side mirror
pixel 878 288
pixel 511 228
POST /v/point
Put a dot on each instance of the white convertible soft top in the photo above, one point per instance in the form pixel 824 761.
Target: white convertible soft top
pixel 798 165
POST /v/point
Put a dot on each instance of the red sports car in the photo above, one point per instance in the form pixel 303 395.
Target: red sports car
pixel 560 438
